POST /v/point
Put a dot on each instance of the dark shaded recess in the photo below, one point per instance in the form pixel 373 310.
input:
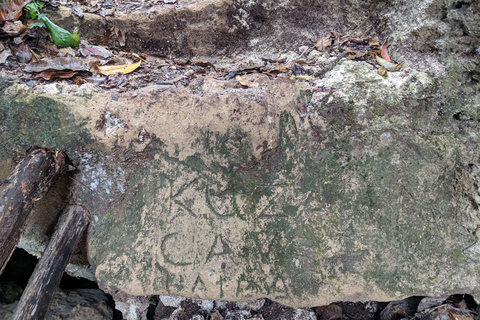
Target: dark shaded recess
pixel 460 5
pixel 117 315
pixel 458 298
pixel 461 115
pixel 356 310
pixel 151 311
pixel 272 310
pixel 20 267
pixel 71 283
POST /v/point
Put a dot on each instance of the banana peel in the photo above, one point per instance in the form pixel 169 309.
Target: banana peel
pixel 124 68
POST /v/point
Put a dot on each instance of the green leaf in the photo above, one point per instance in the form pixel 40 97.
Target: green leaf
pixel 32 10
pixel 60 36
pixel 37 24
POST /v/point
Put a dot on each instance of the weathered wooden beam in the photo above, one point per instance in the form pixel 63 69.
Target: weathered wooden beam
pixel 38 294
pixel 30 180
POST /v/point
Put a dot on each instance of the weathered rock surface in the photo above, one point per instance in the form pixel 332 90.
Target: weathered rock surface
pixel 346 201
pixel 71 304
pixel 131 307
pixel 234 196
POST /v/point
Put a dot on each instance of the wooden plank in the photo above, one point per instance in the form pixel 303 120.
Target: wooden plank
pixel 30 180
pixel 38 294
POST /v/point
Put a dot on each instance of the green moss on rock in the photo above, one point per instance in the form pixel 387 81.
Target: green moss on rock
pixel 37 120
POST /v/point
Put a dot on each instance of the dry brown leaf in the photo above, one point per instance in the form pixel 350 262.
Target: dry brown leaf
pixel 204 64
pixel 305 63
pixel 323 43
pixel 382 71
pixel 390 66
pixel 66 52
pixel 302 108
pixel 63 63
pixel 443 313
pixel 12 9
pixel 114 80
pixel 35 57
pixel 4 55
pixel 120 35
pixel 104 39
pixel 460 316
pixel 22 52
pixel 53 74
pixel 283 68
pixel 462 304
pixel 331 39
pixel 353 39
pixel 48 47
pixel 215 316
pixel 385 53
pixel 95 51
pixel 176 79
pixel 79 80
pixel 13 28
pixel 323 89
pixel 358 54
pixel 246 83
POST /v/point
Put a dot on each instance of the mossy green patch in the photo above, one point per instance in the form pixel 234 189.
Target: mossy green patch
pixel 38 120
pixel 379 110
pixel 234 145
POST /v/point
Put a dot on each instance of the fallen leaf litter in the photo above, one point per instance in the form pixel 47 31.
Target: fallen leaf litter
pixel 82 61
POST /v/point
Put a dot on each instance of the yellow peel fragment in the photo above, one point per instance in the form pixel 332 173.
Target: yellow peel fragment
pixel 302 77
pixel 382 71
pixel 125 68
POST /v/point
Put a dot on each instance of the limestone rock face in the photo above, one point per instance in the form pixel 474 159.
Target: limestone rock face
pixel 233 195
pixel 349 200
